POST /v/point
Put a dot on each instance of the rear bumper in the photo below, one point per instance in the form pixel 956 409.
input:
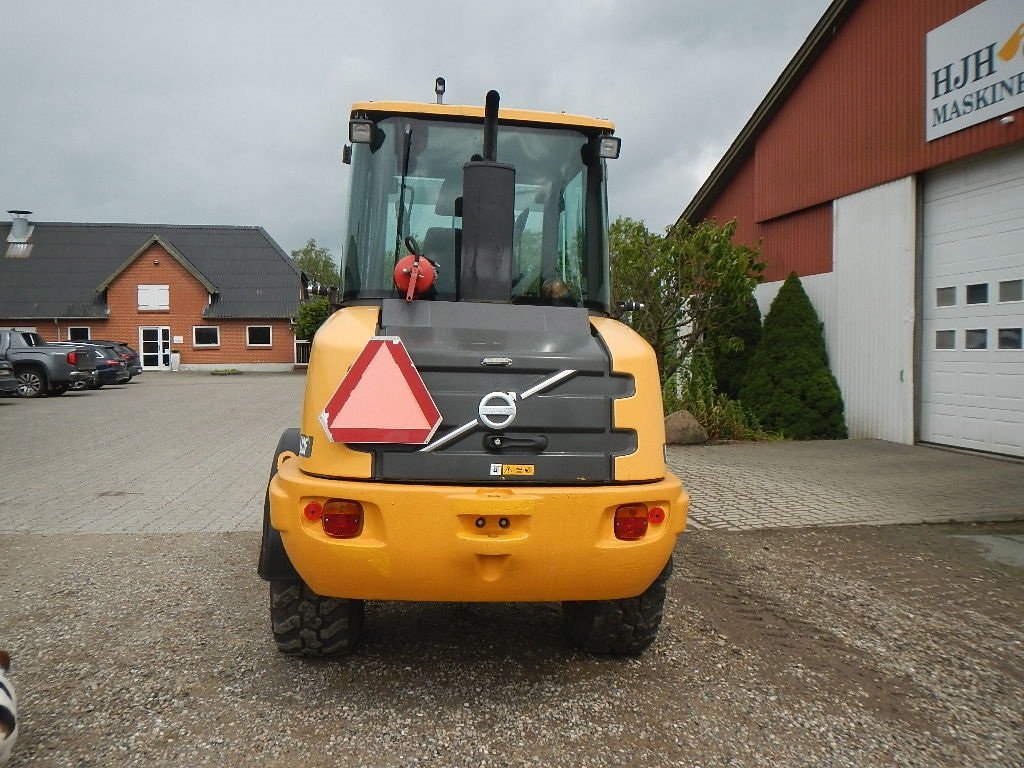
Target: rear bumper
pixel 422 542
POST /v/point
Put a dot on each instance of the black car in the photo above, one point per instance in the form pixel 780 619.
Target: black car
pixel 110 366
pixel 129 355
pixel 8 382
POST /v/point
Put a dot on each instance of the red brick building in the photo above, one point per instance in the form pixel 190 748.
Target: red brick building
pixel 218 296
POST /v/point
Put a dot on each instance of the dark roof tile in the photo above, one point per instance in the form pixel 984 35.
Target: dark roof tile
pixel 253 276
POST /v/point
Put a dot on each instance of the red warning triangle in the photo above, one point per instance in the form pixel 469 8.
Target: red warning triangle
pixel 382 399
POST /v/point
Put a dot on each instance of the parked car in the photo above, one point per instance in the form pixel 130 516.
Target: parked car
pixel 110 366
pixel 128 354
pixel 8 381
pixel 42 368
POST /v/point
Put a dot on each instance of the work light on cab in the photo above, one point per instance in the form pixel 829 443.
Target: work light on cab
pixel 360 131
pixel 608 147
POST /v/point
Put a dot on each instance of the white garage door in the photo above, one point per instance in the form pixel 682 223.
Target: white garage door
pixel 972 363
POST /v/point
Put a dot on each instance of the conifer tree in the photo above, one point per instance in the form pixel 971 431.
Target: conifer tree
pixel 789 386
pixel 732 360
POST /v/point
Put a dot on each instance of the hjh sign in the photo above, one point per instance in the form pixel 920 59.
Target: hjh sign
pixel 974 67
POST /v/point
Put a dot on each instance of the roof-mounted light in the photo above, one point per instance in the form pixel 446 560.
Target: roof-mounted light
pixel 360 131
pixel 608 147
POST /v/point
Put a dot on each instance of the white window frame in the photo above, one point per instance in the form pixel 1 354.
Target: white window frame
pixel 205 346
pixel 154 297
pixel 86 328
pixel 270 328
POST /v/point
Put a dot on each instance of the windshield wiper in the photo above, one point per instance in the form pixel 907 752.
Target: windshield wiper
pixel 400 232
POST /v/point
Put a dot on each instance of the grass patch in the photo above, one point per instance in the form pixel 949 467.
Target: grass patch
pixel 226 372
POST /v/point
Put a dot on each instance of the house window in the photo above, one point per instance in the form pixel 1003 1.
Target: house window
pixel 945 297
pixel 1011 290
pixel 945 339
pixel 977 293
pixel 154 297
pixel 977 338
pixel 205 336
pixel 258 335
pixel 1009 338
pixel 78 333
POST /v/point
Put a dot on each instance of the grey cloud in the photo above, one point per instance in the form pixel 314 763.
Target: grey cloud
pixel 235 112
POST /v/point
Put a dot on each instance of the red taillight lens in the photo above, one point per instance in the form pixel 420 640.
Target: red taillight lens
pixel 342 519
pixel 656 515
pixel 313 510
pixel 631 522
pixel 73 358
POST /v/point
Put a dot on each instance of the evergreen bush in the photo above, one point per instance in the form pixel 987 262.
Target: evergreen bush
pixel 693 390
pixel 731 360
pixel 789 386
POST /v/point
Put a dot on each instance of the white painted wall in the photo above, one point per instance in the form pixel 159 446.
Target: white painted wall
pixel 867 306
pixel 972 396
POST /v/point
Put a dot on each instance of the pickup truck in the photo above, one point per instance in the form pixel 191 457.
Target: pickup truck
pixel 43 368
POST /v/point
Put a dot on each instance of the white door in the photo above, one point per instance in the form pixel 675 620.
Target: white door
pixel 972 363
pixel 155 347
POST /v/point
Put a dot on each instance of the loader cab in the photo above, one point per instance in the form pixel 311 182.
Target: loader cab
pixel 407 180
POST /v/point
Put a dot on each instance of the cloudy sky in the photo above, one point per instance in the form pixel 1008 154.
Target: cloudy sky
pixel 235 111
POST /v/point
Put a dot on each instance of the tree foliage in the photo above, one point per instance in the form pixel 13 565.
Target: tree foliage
pixel 693 281
pixel 312 315
pixel 730 363
pixel 317 264
pixel 789 386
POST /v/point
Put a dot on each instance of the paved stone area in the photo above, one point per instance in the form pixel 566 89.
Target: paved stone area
pixel 167 453
pixel 742 486
pixel 190 452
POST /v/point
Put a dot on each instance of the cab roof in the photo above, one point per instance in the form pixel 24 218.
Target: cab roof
pixel 477 112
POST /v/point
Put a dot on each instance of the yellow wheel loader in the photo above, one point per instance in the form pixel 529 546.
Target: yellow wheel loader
pixel 476 425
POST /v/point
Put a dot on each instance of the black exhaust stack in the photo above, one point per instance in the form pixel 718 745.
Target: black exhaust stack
pixel 488 205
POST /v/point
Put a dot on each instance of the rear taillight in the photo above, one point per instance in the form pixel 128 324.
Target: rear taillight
pixel 73 358
pixel 342 519
pixel 631 522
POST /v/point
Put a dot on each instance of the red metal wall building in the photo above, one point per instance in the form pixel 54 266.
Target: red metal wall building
pixel 848 114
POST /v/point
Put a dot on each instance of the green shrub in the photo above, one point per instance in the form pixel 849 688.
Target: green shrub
pixel 723 417
pixel 731 361
pixel 789 386
pixel 312 315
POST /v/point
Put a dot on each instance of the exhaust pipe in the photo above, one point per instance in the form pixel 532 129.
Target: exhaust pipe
pixel 488 200
pixel 491 126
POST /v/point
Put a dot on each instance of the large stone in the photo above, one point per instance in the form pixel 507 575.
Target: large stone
pixel 682 429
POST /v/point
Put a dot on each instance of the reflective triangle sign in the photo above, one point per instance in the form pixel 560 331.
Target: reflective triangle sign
pixel 382 399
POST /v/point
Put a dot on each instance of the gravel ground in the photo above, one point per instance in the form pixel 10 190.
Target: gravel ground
pixel 854 646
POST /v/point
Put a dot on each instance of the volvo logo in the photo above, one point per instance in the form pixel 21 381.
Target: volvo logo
pixel 497 410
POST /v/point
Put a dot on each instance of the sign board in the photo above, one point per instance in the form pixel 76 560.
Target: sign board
pixel 974 67
pixel 382 399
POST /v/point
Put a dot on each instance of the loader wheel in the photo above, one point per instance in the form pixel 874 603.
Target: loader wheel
pixel 308 624
pixel 622 627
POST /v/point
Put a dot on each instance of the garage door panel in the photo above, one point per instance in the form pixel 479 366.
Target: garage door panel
pixel 971 390
pixel 1007 437
pixel 1007 389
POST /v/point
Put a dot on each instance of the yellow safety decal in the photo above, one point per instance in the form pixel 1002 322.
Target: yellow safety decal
pixel 512 469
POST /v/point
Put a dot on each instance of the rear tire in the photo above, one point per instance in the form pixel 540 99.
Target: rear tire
pixel 31 382
pixel 624 627
pixel 308 624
